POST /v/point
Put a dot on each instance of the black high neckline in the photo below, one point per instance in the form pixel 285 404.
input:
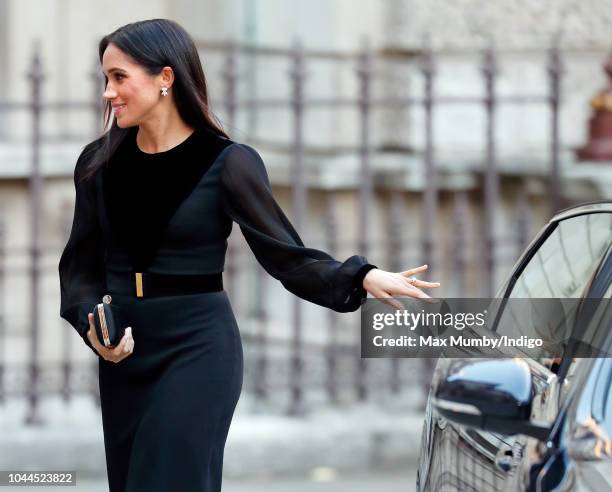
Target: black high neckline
pixel 178 148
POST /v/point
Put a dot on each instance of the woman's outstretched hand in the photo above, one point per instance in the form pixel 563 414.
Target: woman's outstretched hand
pixel 386 285
pixel 115 354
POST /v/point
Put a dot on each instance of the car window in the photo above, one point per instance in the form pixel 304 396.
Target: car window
pixel 561 269
pixel 568 258
pixel 594 406
pixel 601 406
pixel 606 410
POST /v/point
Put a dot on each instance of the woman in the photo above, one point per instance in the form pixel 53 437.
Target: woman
pixel 155 199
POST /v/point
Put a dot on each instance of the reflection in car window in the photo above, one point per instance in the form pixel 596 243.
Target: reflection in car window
pixel 583 409
pixel 566 261
pixel 595 400
pixel 601 407
pixel 561 269
pixel 606 421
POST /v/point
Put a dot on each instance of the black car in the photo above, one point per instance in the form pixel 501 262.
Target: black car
pixel 524 424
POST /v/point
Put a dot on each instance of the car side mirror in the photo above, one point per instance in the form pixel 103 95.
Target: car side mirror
pixel 493 395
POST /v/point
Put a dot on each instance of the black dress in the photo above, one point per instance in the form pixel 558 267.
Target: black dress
pixel 167 408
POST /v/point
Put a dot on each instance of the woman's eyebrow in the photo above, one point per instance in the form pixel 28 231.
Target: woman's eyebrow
pixel 114 69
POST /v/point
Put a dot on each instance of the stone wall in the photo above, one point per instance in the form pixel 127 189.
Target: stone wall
pixel 511 24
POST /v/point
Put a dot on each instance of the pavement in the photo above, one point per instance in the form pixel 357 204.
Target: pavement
pixel 371 446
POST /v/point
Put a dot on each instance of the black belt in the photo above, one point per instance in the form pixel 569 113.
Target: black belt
pixel 148 284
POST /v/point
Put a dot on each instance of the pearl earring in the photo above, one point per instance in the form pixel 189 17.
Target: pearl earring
pixel 164 91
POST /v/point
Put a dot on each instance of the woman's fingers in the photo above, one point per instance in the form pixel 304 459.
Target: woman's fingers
pixel 129 346
pixel 415 282
pixel 425 285
pixel 118 350
pixel 411 291
pixel 394 303
pixel 93 339
pixel 386 298
pixel 417 293
pixel 385 286
pixel 414 271
pixel 123 349
pixel 390 300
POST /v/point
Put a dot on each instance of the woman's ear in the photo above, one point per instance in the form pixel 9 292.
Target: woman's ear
pixel 167 76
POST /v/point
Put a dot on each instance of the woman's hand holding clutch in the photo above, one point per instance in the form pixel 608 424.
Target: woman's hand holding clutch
pixel 115 354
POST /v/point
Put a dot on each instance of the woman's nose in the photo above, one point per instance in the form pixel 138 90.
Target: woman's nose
pixel 109 93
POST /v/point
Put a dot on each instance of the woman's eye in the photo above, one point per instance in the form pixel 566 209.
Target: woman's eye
pixel 118 75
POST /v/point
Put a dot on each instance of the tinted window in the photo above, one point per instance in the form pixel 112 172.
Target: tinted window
pixel 595 401
pixel 568 258
pixel 602 397
pixel 607 411
pixel 560 269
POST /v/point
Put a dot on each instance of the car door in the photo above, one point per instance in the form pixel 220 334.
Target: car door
pixel 578 457
pixel 559 263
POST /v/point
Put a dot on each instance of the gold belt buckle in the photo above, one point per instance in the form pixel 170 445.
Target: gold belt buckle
pixel 139 284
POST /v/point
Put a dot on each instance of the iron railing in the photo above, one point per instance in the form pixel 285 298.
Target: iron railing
pixel 335 368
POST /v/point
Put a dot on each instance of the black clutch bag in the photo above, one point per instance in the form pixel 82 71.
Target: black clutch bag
pixel 110 322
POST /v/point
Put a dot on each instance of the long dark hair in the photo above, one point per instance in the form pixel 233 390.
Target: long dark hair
pixel 154 44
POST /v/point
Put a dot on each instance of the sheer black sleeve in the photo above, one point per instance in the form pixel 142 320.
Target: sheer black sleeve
pixel 81 266
pixel 308 273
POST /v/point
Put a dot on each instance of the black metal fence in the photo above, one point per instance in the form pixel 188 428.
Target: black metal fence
pixel 293 367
